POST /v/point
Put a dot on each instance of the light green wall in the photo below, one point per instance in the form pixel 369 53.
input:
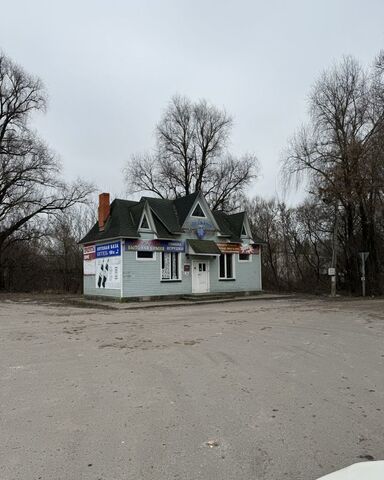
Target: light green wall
pixel 142 277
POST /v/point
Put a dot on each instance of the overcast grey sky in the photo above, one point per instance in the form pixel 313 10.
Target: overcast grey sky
pixel 110 68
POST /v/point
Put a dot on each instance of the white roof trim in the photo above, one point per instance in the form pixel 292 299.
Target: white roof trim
pixel 147 212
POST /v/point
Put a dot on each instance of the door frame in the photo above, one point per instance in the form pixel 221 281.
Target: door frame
pixel 194 279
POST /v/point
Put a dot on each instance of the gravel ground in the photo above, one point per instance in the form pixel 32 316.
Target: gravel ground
pixel 285 389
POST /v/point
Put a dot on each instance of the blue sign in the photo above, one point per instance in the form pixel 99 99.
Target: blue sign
pixel 200 232
pixel 173 246
pixel 108 250
pixel 155 245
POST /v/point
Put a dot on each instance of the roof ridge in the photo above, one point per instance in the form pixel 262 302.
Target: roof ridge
pixel 183 197
pixel 125 200
pixel 237 213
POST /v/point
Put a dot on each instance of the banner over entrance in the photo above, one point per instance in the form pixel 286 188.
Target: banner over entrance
pixel 155 245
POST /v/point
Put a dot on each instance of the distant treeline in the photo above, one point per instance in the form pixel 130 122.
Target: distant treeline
pixel 52 261
pixel 338 157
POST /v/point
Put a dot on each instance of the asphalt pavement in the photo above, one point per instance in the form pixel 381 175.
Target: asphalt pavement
pixel 285 389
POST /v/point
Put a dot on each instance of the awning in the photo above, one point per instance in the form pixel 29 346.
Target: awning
pixel 203 247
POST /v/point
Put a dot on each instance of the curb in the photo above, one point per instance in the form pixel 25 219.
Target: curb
pixel 103 306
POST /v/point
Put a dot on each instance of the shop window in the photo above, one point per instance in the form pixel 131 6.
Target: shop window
pixel 170 266
pixel 226 270
pixel 144 255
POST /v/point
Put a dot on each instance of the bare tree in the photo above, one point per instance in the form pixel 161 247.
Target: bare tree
pixel 191 155
pixel 297 243
pixel 63 250
pixel 341 153
pixel 30 183
pixel 263 217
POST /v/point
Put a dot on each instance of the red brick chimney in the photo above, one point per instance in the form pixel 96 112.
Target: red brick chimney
pixel 104 209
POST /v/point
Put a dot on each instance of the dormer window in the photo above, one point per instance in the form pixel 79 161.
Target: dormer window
pixel 144 223
pixel 243 232
pixel 198 212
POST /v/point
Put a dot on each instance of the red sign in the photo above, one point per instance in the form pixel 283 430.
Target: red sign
pixel 229 247
pixel 239 248
pixel 89 252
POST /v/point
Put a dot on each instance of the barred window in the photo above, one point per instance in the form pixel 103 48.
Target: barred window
pixel 170 266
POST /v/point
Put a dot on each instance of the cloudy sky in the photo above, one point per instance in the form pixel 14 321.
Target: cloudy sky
pixel 110 68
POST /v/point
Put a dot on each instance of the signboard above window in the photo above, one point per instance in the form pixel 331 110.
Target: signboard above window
pixel 239 248
pixel 108 250
pixel 154 245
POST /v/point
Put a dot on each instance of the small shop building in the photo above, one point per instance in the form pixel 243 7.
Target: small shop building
pixel 158 247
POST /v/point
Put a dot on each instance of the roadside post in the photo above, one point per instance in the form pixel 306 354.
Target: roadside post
pixel 363 258
pixel 332 271
pixel 332 274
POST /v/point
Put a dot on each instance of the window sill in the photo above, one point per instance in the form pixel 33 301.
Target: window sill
pixel 227 279
pixel 170 280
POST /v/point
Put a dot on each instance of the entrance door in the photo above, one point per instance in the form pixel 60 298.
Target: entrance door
pixel 200 277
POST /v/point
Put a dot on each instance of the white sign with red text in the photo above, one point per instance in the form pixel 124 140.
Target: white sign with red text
pixel 89 259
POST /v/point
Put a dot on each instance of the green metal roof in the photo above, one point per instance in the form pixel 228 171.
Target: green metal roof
pixel 236 221
pixel 119 224
pixel 183 205
pixel 226 226
pixel 206 247
pixel 166 212
pixel 168 216
pixel 161 230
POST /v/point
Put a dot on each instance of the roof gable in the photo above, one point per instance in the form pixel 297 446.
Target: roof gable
pixel 198 211
pixel 204 214
pixel 146 222
pixel 232 225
